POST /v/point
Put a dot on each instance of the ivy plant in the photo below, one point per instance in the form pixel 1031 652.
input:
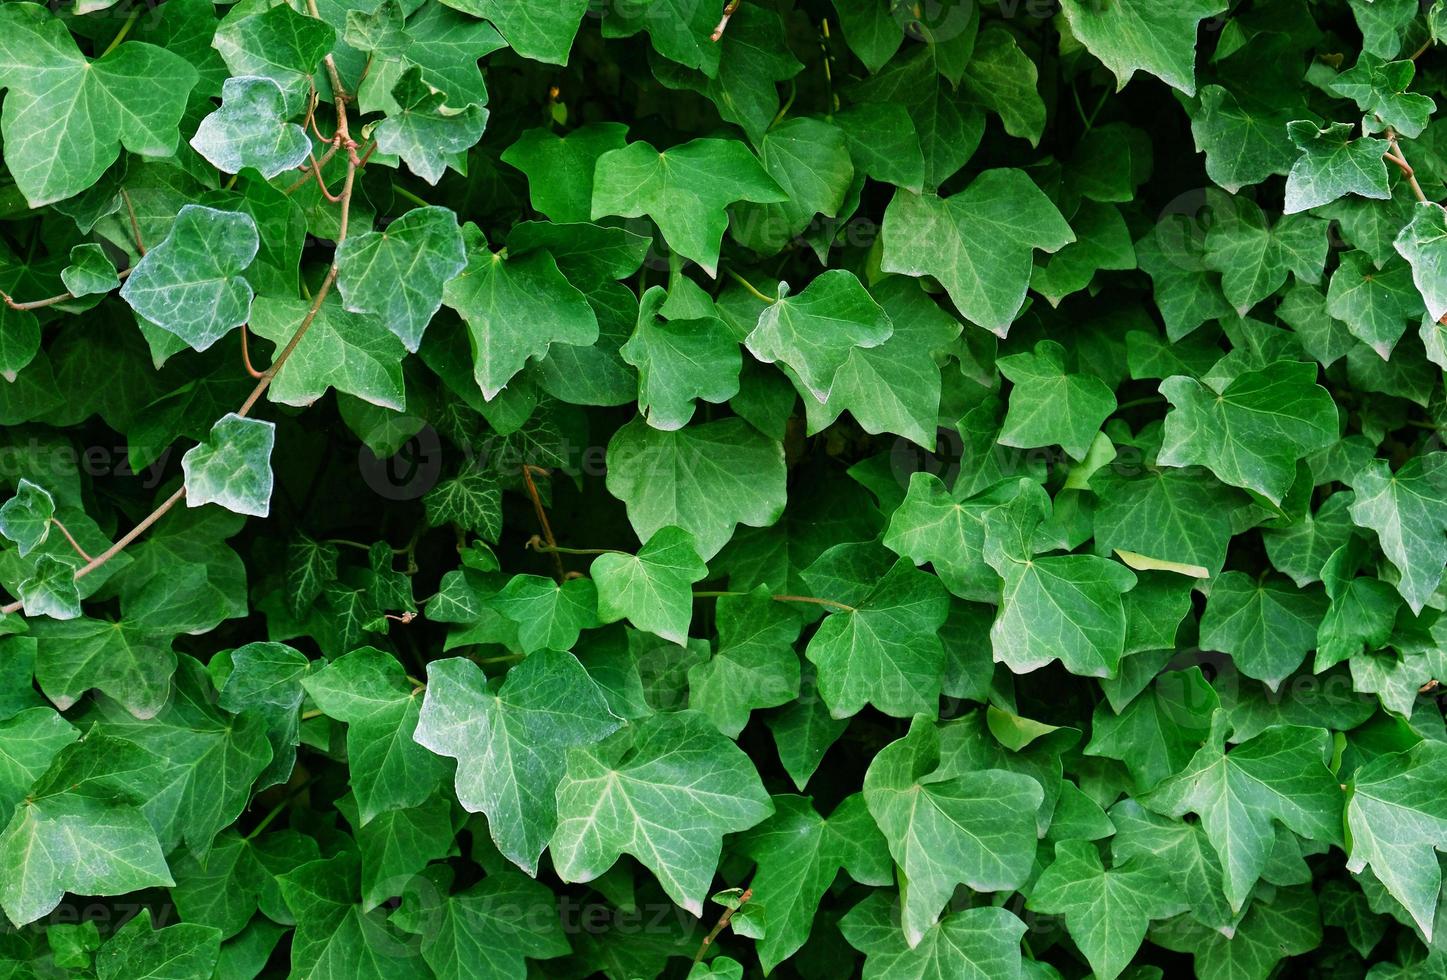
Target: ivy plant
pixel 504 489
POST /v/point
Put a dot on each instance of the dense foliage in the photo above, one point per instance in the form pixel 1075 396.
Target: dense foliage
pixel 554 488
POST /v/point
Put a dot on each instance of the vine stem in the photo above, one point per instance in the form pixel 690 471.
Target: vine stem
pixel 1397 157
pixel 536 544
pixel 809 599
pixel 728 12
pixel 40 304
pixel 721 924
pixel 543 516
pixel 71 538
pixel 752 289
pixel 343 140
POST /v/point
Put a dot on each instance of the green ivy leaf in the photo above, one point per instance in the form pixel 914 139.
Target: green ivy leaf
pixel 1050 405
pixel 1406 510
pixel 1279 775
pixel 680 361
pixel 1333 165
pixel 947 828
pixel 977 243
pixel 705 479
pixel 755 665
pixel 368 690
pixel 685 190
pixel 815 332
pixel 26 517
pixel 510 745
pixel 515 308
pixel 132 97
pixel 1106 911
pixel 190 284
pixel 652 589
pixel 617 797
pixel 1131 35
pixel 232 467
pixel 398 274
pixel 1251 430
pixel 251 130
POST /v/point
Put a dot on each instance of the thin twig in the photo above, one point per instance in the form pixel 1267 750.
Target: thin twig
pixel 723 24
pixel 246 355
pixel 753 290
pixel 721 924
pixel 321 181
pixel 306 170
pixel 811 600
pixel 1396 156
pixel 37 304
pixel 71 538
pixel 135 225
pixel 536 544
pixel 543 515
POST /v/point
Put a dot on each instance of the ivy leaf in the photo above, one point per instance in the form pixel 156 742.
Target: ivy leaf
pixel 515 308
pixel 349 352
pixel 1279 775
pixel 884 648
pixel 1395 819
pixel 368 690
pixel 1423 243
pixel 549 616
pixel 80 830
pixel 974 828
pixel 398 274
pixel 1333 165
pixel 652 589
pixel 1004 79
pixel 1065 606
pixel 705 479
pixel 1244 140
pixel 138 949
pixel 1131 35
pixel 129 664
pixel 1158 732
pixel 1408 510
pixel 210 757
pixel 809 159
pixel 618 796
pixel 1050 405
pixel 679 361
pixel 972 944
pixel 685 190
pixel 427 133
pixel 537 31
pixel 251 130
pixel 1250 431
pixel 978 243
pixel 29 742
pixel 132 98
pixel 798 855
pixel 26 517
pixel 90 273
pixel 50 590
pixel 1253 259
pixel 334 936
pixel 232 467
pixel 488 930
pixel 190 284
pixel 472 500
pixel 1379 88
pixel 1267 625
pixel 755 665
pixel 896 386
pixel 679 30
pixel 560 168
pixel 510 745
pixel 1181 516
pixel 1106 911
pixel 1377 305
pixel 815 332
pixel 278 43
